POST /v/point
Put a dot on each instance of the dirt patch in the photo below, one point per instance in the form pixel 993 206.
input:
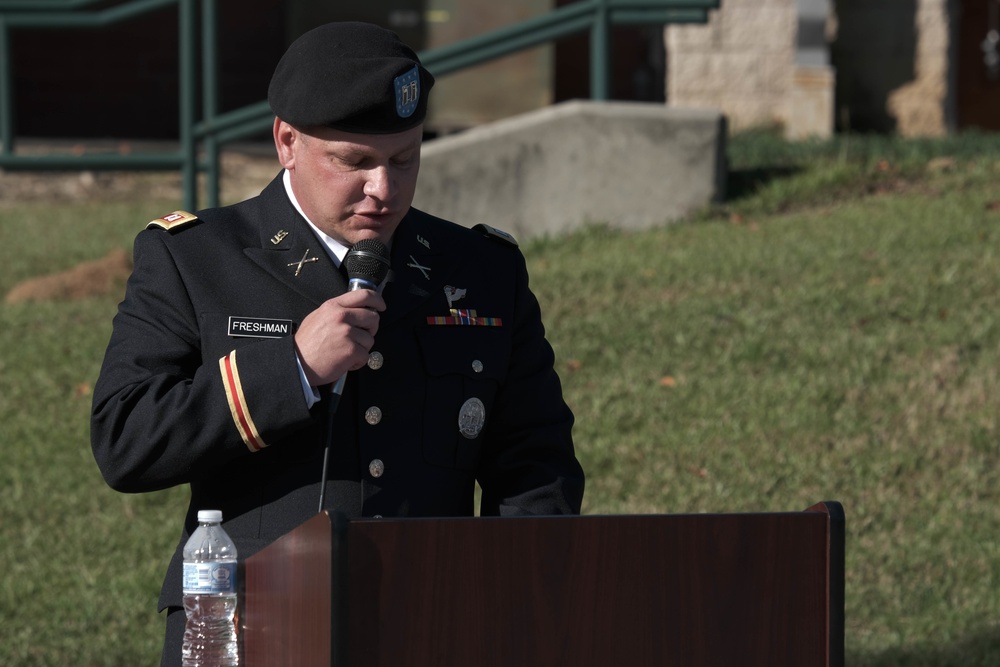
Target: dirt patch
pixel 84 280
pixel 243 174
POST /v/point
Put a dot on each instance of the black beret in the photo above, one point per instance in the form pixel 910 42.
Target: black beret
pixel 351 76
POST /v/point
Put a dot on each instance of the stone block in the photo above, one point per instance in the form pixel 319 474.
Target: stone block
pixel 810 112
pixel 630 165
pixel 694 38
pixel 744 113
pixel 759 29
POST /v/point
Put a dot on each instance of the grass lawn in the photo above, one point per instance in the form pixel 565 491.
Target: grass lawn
pixel 829 332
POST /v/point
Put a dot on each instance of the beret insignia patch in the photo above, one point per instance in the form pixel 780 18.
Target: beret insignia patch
pixel 407 87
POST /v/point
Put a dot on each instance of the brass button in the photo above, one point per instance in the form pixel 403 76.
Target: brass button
pixel 375 360
pixel 376 468
pixel 477 366
pixel 373 415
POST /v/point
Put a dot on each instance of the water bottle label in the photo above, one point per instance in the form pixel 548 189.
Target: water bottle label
pixel 202 578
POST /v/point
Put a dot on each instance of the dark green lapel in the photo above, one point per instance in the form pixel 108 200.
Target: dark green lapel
pixel 291 252
pixel 422 263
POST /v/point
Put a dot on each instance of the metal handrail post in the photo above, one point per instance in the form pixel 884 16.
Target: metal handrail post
pixel 654 16
pixel 665 4
pixel 210 107
pixel 95 19
pixel 234 118
pixel 167 161
pixel 43 5
pixel 189 169
pixel 258 125
pixel 446 60
pixel 6 91
pixel 600 50
pixel 508 39
pixel 215 130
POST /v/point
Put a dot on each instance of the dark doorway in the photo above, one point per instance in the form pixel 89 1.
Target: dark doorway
pixel 874 54
pixel 637 64
pixel 978 84
pixel 121 81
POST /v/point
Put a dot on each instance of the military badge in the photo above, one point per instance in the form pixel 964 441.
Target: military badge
pixel 496 234
pixel 305 260
pixel 453 294
pixel 425 270
pixel 407 86
pixel 471 418
pixel 461 316
pixel 464 317
pixel 173 220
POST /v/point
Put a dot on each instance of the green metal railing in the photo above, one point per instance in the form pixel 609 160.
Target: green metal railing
pixel 67 14
pixel 205 137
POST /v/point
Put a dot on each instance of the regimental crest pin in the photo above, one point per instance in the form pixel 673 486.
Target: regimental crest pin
pixel 302 262
pixel 453 294
pixel 471 417
pixel 407 86
pixel 425 270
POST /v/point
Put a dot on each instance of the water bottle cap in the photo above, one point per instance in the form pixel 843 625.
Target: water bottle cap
pixel 209 516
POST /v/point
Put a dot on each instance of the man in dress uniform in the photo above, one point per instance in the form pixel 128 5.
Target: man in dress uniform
pixel 236 321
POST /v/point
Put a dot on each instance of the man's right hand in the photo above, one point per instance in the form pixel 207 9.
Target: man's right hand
pixel 336 337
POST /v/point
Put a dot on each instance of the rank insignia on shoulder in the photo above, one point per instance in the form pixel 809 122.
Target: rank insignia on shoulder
pixel 497 234
pixel 174 220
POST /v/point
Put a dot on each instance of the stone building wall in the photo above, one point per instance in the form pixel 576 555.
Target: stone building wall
pixel 889 67
pixel 742 62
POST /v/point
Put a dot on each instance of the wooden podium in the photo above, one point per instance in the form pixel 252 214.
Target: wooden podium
pixel 749 589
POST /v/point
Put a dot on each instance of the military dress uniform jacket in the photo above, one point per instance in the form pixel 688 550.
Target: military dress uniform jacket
pixel 200 383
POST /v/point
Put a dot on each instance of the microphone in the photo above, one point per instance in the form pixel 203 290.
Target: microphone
pixel 367 265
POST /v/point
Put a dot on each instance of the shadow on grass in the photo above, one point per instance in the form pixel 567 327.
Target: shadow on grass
pixel 744 183
pixel 980 650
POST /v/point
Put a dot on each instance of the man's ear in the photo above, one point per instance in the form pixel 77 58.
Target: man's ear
pixel 285 137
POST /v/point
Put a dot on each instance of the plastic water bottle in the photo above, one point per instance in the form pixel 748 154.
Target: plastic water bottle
pixel 210 595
